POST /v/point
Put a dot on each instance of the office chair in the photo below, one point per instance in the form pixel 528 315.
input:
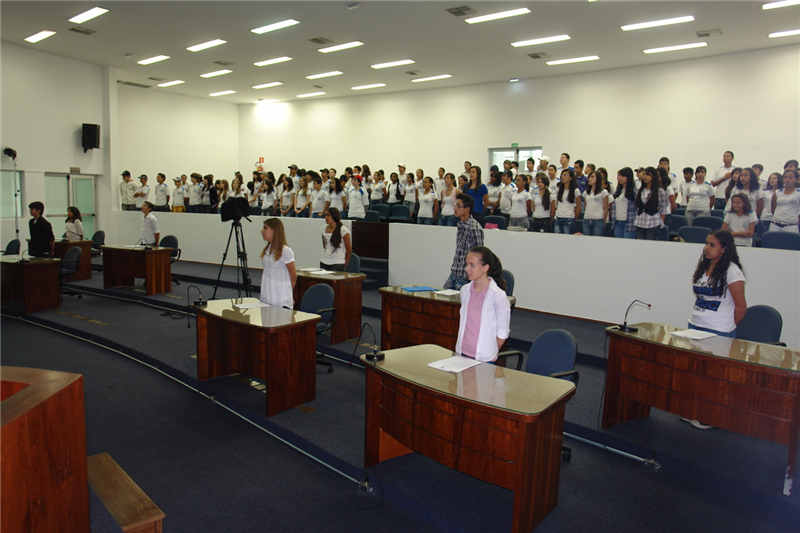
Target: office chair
pixel 171 241
pixel 780 240
pixel 354 265
pixel 552 354
pixel 318 299
pixel 712 223
pixel 761 228
pixel 680 211
pixel 382 210
pixel 720 213
pixel 509 278
pixel 400 213
pixel 761 323
pixel 372 216
pixel 67 269
pixel 98 240
pixel 12 248
pixel 676 222
pixel 495 219
pixel 693 234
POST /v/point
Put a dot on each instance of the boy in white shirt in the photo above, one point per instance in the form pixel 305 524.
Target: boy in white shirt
pixel 178 197
pixel 320 200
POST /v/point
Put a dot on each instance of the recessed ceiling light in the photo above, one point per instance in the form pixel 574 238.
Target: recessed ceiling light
pixel 573 60
pixel 656 23
pixel 674 48
pixel 393 63
pixel 39 36
pixel 373 86
pixel 338 47
pixel 495 16
pixel 221 93
pixel 788 33
pixel 269 101
pixel 514 80
pixel 88 15
pixel 215 73
pixel 431 78
pixel 324 75
pixel 171 83
pixel 276 26
pixel 154 59
pixel 203 46
pixel 307 95
pixel 782 3
pixel 543 40
pixel 272 61
pixel 265 85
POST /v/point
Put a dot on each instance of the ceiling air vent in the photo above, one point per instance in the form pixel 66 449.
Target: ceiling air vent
pixel 709 33
pixel 319 86
pixel 461 11
pixel 155 78
pixel 84 31
pixel 413 72
pixel 321 40
pixel 538 55
pixel 223 63
pixel 139 85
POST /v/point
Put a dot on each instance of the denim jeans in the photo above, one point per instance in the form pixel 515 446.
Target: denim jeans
pixel 316 215
pixel 425 221
pixel 542 225
pixel 455 283
pixel 593 226
pixel 289 213
pixel 565 225
pixel 523 222
pixel 729 334
pixel 648 234
pixel 619 230
pixel 302 214
pixel 449 220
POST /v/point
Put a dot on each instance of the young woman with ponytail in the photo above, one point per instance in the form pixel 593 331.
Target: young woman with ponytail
pixel 336 247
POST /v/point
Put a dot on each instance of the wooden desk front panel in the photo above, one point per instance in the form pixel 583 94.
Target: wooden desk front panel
pixel 122 266
pixel 410 321
pixel 34 283
pixel 85 265
pixel 371 239
pixel 347 301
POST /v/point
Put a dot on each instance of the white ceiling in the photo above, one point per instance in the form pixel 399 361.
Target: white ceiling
pixel 439 42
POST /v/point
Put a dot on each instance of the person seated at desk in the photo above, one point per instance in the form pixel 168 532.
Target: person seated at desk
pixel 485 310
pixel 280 274
pixel 42 242
pixel 336 247
pixel 150 231
pixel 74 226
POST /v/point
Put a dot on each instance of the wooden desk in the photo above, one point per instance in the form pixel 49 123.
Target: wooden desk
pixel 121 266
pixel 745 387
pixel 413 318
pixel 85 266
pixel 273 344
pixel 493 423
pixel 34 282
pixel 347 300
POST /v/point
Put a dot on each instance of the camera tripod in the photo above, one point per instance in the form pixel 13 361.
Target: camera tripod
pixel 241 261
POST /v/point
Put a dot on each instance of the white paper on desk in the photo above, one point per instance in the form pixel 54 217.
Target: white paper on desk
pixel 448 292
pixel 323 272
pixel 454 364
pixel 311 269
pixel 694 334
pixel 250 306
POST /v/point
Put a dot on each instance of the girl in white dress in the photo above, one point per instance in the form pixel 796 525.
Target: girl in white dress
pixel 74 224
pixel 280 275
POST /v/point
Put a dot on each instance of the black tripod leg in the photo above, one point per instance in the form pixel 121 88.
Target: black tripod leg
pixel 222 264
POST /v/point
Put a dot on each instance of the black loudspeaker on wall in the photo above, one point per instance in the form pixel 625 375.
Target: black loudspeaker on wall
pixel 90 136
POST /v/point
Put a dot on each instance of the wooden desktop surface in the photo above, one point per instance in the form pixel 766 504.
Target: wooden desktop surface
pixel 122 265
pixel 85 265
pixel 272 344
pixel 33 282
pixel 493 423
pixel 746 387
pixel 347 300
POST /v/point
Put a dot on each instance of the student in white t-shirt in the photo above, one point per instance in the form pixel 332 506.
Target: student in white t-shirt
pixel 287 197
pixel 280 275
pixel 409 193
pixel 688 174
pixel 566 205
pixel 338 196
pixel 357 200
pixel 740 220
pixel 521 204
pixel 269 200
pixel 506 193
pixel 438 182
pixel 320 200
pixel 748 184
pixel 495 186
pixel 178 197
pixel 541 204
pixel 448 199
pixel 666 184
pixel 774 184
pixel 336 246
pixel 700 195
pixel 596 199
pixel 428 206
pixel 395 191
pixel 377 190
pixel 786 205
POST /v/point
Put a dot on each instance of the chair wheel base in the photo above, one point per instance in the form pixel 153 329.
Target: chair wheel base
pixel 330 370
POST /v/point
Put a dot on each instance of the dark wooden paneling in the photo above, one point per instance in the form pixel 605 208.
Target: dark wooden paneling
pixel 35 283
pixel 346 300
pixel 371 239
pixel 409 321
pixel 121 266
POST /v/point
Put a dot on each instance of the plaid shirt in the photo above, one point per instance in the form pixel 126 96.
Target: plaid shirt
pixel 631 214
pixel 645 221
pixel 470 235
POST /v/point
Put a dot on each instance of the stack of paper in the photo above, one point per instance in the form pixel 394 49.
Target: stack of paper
pixel 454 364
pixel 694 334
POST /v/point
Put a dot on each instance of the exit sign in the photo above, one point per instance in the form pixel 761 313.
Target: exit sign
pixel 514 145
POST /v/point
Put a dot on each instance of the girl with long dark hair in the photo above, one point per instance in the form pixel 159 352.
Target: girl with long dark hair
pixel 448 200
pixel 651 205
pixel 741 221
pixel 336 247
pixel 623 208
pixel 786 205
pixel 74 224
pixel 478 192
pixel 596 198
pixel 566 206
pixel 541 204
pixel 774 184
pixel 280 274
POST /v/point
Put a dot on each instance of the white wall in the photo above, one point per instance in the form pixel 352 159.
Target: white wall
pixel 691 111
pixel 598 277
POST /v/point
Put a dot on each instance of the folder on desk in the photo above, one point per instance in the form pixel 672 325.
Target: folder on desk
pixel 418 289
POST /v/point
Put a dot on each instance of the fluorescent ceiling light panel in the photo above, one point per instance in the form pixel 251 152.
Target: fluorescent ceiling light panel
pixel 431 78
pixel 154 59
pixel 171 83
pixel 215 73
pixel 675 48
pixel 307 95
pixel 782 3
pixel 203 46
pixel 338 47
pixel 272 61
pixel 40 36
pixel 514 80
pixel 495 16
pixel 656 23
pixel 573 60
pixel 276 26
pixel 270 101
pixel 324 75
pixel 373 86
pixel 221 93
pixel 393 63
pixel 543 40
pixel 266 85
pixel 784 34
pixel 88 15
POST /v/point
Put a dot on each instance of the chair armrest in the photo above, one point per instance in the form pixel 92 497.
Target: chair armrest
pixel 177 257
pixel 331 310
pixel 566 373
pixel 512 353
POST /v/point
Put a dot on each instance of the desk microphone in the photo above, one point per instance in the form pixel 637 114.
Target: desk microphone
pixel 375 356
pixel 22 257
pixel 624 327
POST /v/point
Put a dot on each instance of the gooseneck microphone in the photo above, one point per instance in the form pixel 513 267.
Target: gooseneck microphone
pixel 197 303
pixel 624 327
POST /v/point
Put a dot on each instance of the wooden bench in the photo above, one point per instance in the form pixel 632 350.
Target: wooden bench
pixel 127 503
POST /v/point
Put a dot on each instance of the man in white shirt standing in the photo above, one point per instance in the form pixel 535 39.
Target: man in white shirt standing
pixel 126 191
pixel 142 192
pixel 467 166
pixel 720 179
pixel 544 162
pixel 507 190
pixel 529 170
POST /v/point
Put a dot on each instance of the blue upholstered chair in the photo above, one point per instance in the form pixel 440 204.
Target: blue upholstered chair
pixel 761 323
pixel 318 299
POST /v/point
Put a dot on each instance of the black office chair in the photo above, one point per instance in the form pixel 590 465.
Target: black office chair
pixel 720 213
pixel 67 269
pixel 354 265
pixel 318 299
pixel 98 240
pixel 712 223
pixel 372 216
pixel 495 219
pixel 171 241
pixel 694 234
pixel 552 354
pixel 761 323
pixel 780 240
pixel 400 213
pixel 12 248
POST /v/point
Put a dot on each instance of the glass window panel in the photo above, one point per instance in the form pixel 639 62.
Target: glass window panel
pixel 56 197
pixel 83 194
